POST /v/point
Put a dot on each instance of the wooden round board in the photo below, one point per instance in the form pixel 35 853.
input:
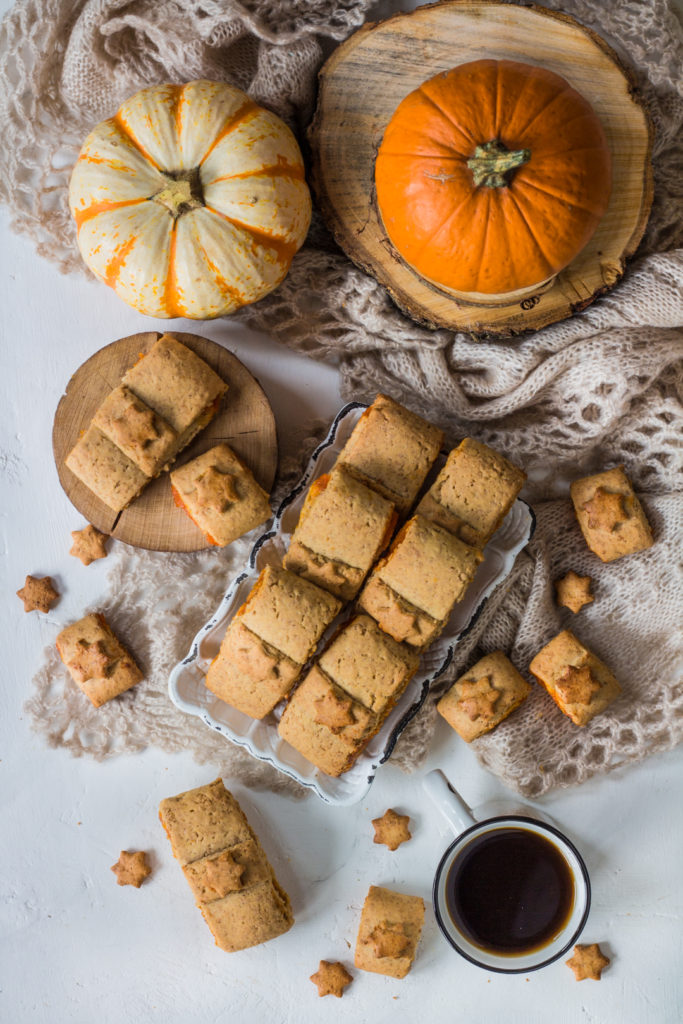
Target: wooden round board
pixel 367 77
pixel 245 421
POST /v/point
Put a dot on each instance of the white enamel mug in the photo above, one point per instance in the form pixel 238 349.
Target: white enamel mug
pixel 466 830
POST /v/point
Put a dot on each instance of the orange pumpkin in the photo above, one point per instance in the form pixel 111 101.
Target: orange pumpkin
pixel 491 177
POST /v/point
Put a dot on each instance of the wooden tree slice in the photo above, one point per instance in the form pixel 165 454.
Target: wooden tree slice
pixel 245 421
pixel 367 77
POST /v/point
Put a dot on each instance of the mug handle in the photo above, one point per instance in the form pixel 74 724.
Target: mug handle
pixel 447 801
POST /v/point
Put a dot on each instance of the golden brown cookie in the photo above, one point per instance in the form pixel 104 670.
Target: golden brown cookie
pixel 473 492
pixel 392 449
pixel 481 698
pixel 97 661
pixel 220 495
pixel 131 868
pixel 391 829
pixel 324 724
pixel 38 594
pixel 88 544
pixel 588 962
pixel 573 591
pixel 331 979
pixel 390 928
pixel 611 518
pixel 580 684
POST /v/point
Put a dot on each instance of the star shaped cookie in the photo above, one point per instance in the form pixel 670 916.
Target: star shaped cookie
pixel 331 979
pixel 131 868
pixel 389 940
pixel 91 662
pixel 333 711
pixel 477 699
pixel 577 685
pixel 573 591
pixel 588 962
pixel 88 544
pixel 136 428
pixel 391 829
pixel 605 510
pixel 216 491
pixel 224 874
pixel 38 594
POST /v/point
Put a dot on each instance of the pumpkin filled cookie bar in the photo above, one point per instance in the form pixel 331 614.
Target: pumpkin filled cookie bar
pixel 220 495
pixel 392 449
pixel 481 698
pixel 389 932
pixel 327 725
pixel 342 528
pixel 346 696
pixel 97 662
pixel 412 591
pixel 269 640
pixel 611 518
pixel 140 433
pixel 224 863
pixel 473 492
pixel 369 665
pixel 177 385
pixel 580 683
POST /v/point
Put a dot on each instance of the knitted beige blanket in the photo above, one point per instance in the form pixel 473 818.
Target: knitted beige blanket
pixel 599 389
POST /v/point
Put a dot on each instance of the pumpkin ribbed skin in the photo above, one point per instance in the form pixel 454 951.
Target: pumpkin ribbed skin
pixel 191 201
pixel 472 238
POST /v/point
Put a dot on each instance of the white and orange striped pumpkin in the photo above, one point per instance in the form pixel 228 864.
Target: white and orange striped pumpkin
pixel 191 201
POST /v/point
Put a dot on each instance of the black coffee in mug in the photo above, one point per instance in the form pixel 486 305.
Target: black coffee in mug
pixel 510 891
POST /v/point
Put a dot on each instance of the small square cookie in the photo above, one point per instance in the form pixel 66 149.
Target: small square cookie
pixel 391 450
pixel 369 665
pixel 140 433
pixel 390 929
pixel 177 385
pixel 481 698
pixel 611 518
pixel 580 684
pixel 220 495
pixel 248 917
pixel 97 662
pixel 411 592
pixel 473 492
pixel 249 674
pixel 342 528
pixel 288 613
pixel 325 724
pixel 105 470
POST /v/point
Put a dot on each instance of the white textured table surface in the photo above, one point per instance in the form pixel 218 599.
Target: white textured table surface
pixel 75 948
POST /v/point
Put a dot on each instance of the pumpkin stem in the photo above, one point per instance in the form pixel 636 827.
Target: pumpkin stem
pixel 182 193
pixel 492 163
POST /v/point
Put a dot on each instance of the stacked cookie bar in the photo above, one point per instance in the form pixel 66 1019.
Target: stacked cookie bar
pixel 225 866
pixel 161 404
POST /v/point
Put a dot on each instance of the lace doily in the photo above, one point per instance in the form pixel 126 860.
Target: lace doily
pixel 601 388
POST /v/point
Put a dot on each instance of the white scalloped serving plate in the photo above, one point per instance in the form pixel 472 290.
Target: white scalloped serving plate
pixel 261 738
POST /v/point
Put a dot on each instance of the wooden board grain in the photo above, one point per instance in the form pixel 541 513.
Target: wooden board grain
pixel 367 77
pixel 245 421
